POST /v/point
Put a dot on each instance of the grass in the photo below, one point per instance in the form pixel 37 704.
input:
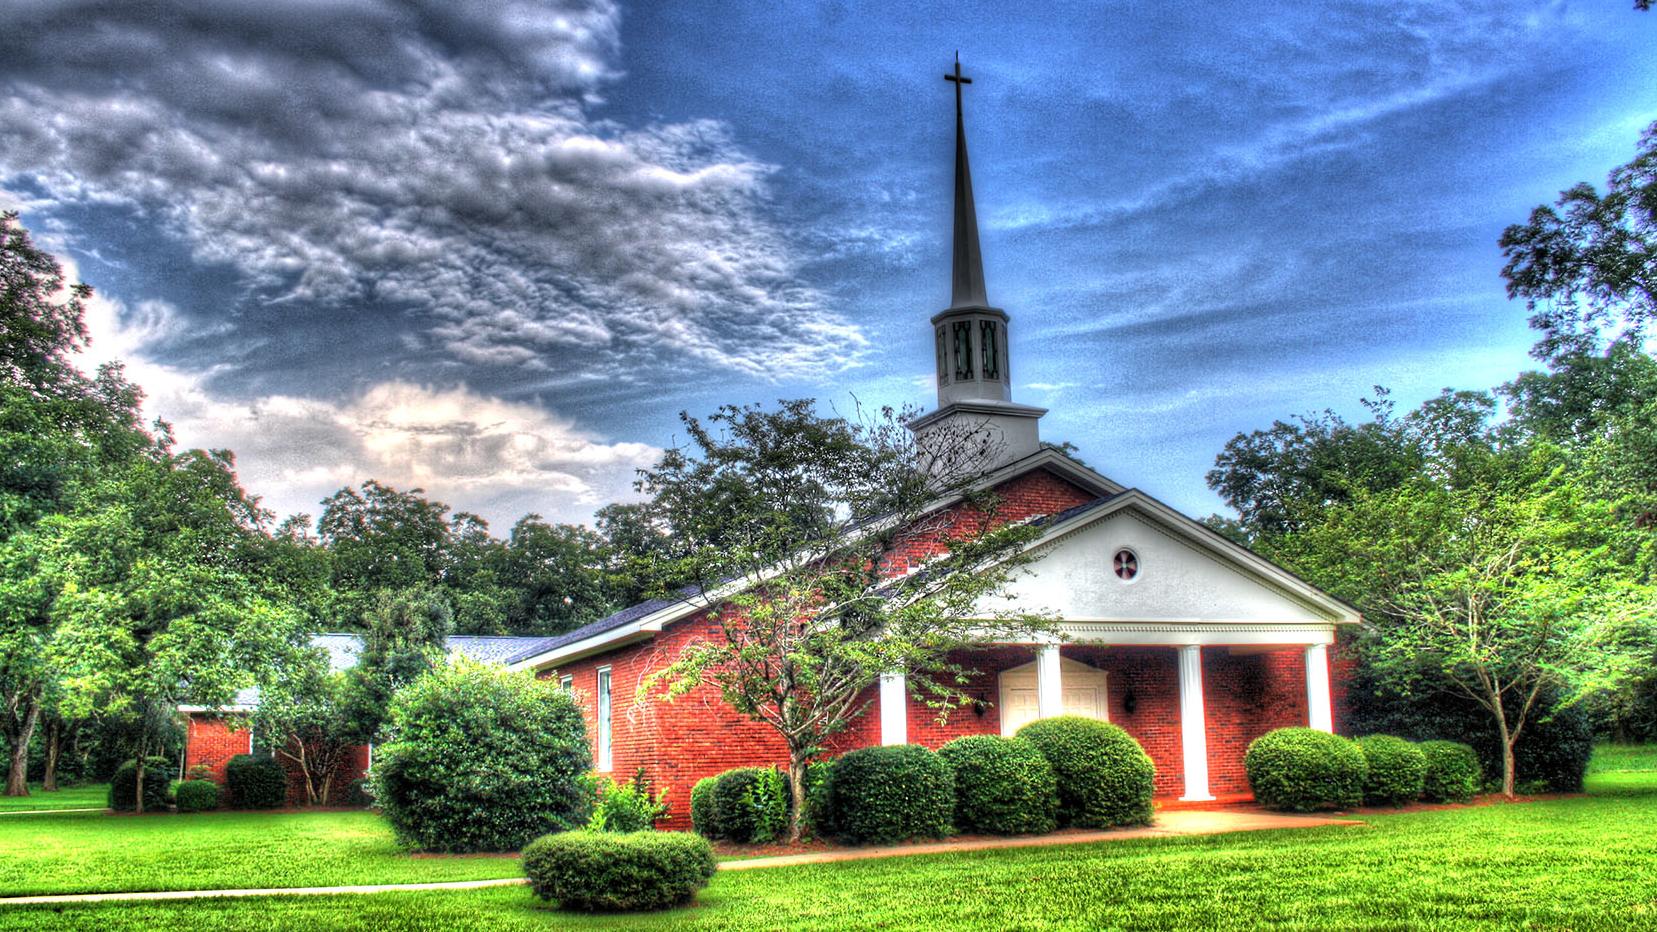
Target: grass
pixel 90 851
pixel 1587 862
pixel 90 796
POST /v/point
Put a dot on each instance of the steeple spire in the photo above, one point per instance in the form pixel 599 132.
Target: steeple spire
pixel 968 280
pixel 975 397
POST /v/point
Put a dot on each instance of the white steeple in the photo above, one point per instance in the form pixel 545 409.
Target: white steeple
pixel 970 338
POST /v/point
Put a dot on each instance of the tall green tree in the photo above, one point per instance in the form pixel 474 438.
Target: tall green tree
pixel 786 522
pixel 1588 264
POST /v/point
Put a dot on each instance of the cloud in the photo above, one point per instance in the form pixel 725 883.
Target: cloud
pixel 436 159
pixel 478 453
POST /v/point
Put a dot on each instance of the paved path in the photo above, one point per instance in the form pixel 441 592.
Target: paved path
pixel 1187 822
pixel 53 811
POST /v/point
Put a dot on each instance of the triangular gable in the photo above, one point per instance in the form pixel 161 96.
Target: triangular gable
pixel 1185 572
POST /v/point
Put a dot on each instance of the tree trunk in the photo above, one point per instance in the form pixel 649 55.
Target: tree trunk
pixel 1507 751
pixel 54 741
pixel 796 792
pixel 138 790
pixel 17 775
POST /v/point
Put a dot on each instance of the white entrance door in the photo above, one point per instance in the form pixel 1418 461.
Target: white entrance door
pixel 1082 686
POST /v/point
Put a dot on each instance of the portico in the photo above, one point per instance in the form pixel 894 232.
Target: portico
pixel 1194 706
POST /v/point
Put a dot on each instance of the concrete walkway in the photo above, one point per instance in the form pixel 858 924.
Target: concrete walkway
pixel 1168 824
pixel 52 811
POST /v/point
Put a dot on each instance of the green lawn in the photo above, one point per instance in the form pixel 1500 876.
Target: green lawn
pixel 1587 862
pixel 91 851
pixel 91 796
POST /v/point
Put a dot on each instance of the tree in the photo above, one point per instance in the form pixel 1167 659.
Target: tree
pixel 794 527
pixel 1592 263
pixel 1502 592
pixel 557 573
pixel 305 718
pixel 405 638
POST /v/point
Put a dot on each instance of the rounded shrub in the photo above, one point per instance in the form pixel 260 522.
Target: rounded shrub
pixel 892 793
pixel 1303 769
pixel 256 781
pixel 1104 777
pixel 1002 786
pixel 1453 774
pixel 611 872
pixel 701 807
pixel 482 759
pixel 196 796
pixel 123 786
pixel 750 805
pixel 1397 770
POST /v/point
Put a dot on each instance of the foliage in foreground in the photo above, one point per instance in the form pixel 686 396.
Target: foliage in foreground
pixel 1303 769
pixel 1003 786
pixel 482 759
pixel 256 781
pixel 1470 868
pixel 1105 778
pixel 892 793
pixel 627 807
pixel 601 871
pixel 123 789
pixel 1397 770
pixel 793 525
pixel 1453 774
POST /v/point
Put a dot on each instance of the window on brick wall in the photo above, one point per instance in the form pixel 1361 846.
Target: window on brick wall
pixel 604 718
pixel 566 683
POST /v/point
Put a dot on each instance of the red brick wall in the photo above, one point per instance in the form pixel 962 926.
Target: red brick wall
pixel 214 740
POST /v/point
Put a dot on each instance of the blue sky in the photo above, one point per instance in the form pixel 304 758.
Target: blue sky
pixel 493 249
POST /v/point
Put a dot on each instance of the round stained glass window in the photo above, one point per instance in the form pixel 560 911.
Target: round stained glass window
pixel 1126 565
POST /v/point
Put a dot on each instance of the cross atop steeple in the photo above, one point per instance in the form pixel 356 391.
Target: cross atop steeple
pixel 959 80
pixel 967 287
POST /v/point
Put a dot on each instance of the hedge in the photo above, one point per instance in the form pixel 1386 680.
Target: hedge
pixel 610 872
pixel 750 805
pixel 1397 770
pixel 256 781
pixel 123 786
pixel 892 793
pixel 819 798
pixel 1303 769
pixel 1104 777
pixel 1003 786
pixel 196 796
pixel 1453 774
pixel 1552 753
pixel 480 758
pixel 701 807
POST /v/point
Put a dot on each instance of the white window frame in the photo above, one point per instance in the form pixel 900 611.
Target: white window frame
pixel 566 683
pixel 605 762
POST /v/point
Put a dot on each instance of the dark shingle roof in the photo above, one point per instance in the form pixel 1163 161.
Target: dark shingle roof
pixel 608 623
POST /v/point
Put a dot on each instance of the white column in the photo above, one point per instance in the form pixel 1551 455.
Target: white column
pixel 1193 727
pixel 1049 689
pixel 894 709
pixel 1320 713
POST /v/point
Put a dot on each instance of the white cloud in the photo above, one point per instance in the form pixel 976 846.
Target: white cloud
pixel 497 458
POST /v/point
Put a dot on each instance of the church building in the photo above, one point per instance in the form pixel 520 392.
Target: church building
pixel 1190 642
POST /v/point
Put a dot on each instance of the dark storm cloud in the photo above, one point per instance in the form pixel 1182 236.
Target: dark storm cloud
pixel 431 156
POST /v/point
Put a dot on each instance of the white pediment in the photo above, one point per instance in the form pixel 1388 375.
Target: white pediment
pixel 1177 580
